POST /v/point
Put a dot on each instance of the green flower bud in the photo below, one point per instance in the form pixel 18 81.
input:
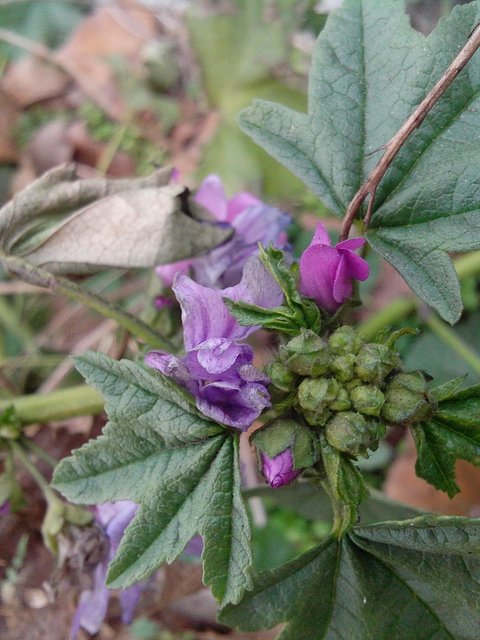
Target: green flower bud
pixel 281 377
pixel 352 384
pixel 406 399
pixel 341 402
pixel 367 400
pixel 317 418
pixel 343 367
pixel 284 433
pixel 315 394
pixel 352 433
pixel 345 341
pixel 374 362
pixel 306 354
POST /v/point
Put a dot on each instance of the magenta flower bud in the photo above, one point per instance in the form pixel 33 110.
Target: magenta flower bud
pixel 327 273
pixel 279 470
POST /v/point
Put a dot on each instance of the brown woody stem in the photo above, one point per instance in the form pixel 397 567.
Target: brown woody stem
pixel 414 121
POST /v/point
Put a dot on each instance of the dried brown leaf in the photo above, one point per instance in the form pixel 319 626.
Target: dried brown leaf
pixel 79 226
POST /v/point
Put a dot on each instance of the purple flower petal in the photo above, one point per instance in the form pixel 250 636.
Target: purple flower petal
pixel 358 268
pixel 318 269
pixel 167 272
pixel 214 358
pixel 129 599
pixel 352 244
pixel 239 203
pixel 93 605
pixel 327 273
pixel 321 236
pixel 194 547
pixel 204 314
pixel 234 404
pixel 211 195
pixel 279 470
pixel 342 283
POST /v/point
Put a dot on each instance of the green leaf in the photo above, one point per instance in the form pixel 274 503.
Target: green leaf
pixel 71 225
pixel 435 463
pixel 414 580
pixel 453 433
pixel 180 468
pixel 420 211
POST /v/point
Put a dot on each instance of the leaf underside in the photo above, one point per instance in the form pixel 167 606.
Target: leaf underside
pixel 370 70
pixel 180 468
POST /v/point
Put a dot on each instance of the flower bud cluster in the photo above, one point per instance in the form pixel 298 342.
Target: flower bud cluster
pixel 346 388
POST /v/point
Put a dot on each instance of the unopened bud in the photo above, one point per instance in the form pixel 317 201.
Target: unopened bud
pixel 367 400
pixel 315 394
pixel 345 341
pixel 352 433
pixel 317 418
pixel 281 377
pixel 406 399
pixel 306 354
pixel 341 402
pixel 279 471
pixel 374 362
pixel 342 367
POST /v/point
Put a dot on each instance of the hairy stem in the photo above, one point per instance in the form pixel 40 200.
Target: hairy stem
pixel 414 121
pixel 56 284
pixel 57 405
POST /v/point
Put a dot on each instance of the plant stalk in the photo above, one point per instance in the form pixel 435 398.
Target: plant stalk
pixel 466 266
pixel 57 284
pixel 392 147
pixel 76 401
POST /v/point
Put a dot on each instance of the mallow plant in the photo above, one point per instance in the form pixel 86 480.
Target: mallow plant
pixel 391 145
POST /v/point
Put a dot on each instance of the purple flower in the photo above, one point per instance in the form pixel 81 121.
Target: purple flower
pixel 279 470
pixel 327 273
pixel 216 369
pixel 253 222
pixel 5 508
pixel 113 517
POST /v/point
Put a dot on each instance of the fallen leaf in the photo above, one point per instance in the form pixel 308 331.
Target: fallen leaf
pixel 79 226
pixel 31 80
pixel 118 30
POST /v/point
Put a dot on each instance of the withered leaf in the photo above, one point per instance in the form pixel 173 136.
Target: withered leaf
pixel 72 225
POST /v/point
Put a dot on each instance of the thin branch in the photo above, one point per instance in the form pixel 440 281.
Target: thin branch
pixel 399 139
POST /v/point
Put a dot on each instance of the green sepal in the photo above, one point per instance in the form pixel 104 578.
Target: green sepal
pixel 279 319
pixel 346 484
pixel 305 312
pixel 288 433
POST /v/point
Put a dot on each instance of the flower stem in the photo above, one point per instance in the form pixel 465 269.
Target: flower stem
pixel 41 481
pixel 39 452
pixel 466 266
pixel 57 284
pixel 450 338
pixel 57 405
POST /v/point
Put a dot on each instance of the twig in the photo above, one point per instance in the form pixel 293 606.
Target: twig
pixel 399 139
